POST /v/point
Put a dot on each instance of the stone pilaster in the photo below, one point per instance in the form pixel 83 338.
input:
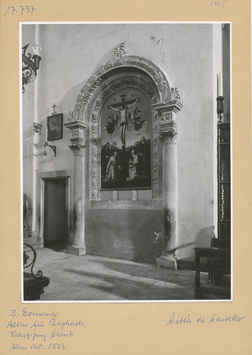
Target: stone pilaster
pixel 78 144
pixel 168 131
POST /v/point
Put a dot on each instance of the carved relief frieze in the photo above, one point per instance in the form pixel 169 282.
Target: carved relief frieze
pixel 166 116
pixel 155 153
pixel 93 181
pixel 79 136
pixel 167 112
pixel 93 154
pixel 74 132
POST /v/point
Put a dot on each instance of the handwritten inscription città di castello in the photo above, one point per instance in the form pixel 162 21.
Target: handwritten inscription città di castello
pixel 176 319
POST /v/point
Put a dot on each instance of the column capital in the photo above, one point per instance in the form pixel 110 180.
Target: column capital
pixel 76 124
pixel 167 111
pixel 79 136
pixel 168 131
pixel 78 148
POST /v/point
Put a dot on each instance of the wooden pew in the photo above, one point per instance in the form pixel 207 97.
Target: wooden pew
pixel 218 260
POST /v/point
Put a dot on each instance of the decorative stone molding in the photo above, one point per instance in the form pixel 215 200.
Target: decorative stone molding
pixel 97 90
pixel 167 111
pixel 157 76
pixel 168 131
pixel 167 118
pixel 77 149
pixel 126 205
pixel 175 95
pixel 155 153
pixel 119 51
pixel 152 82
pixel 79 136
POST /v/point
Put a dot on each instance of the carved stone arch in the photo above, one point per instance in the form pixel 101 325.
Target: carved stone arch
pixel 139 63
pixel 134 72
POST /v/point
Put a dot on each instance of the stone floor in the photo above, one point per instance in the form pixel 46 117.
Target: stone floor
pixel 95 278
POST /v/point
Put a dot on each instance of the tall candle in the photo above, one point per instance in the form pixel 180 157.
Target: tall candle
pixel 219 85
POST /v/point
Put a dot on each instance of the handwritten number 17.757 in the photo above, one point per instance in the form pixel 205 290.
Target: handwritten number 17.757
pixel 12 10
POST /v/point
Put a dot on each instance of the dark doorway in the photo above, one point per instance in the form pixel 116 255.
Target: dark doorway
pixel 55 213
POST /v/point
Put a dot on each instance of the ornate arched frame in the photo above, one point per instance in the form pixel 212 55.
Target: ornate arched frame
pixel 149 79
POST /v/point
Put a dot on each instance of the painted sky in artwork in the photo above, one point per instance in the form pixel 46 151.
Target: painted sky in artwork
pixel 132 135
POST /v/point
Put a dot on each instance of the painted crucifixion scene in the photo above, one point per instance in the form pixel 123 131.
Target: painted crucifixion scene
pixel 126 141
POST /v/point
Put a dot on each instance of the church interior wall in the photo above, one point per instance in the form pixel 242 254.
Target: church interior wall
pixel 184 52
pixel 27 132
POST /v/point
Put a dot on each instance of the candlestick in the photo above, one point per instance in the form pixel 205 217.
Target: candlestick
pixel 220 107
pixel 219 85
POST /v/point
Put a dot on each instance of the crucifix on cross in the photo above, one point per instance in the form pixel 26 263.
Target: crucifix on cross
pixel 53 107
pixel 122 107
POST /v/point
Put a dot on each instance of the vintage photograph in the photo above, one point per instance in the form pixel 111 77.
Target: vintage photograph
pixel 126 163
pixel 126 141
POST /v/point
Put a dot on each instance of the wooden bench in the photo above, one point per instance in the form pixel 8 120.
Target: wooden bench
pixel 218 260
pixel 218 268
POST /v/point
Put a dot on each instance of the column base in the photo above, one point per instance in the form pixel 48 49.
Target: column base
pixel 76 250
pixel 167 261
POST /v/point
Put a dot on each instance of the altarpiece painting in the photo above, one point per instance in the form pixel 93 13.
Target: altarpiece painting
pixel 126 141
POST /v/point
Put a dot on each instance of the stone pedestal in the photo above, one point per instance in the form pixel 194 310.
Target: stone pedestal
pixel 167 135
pixel 78 144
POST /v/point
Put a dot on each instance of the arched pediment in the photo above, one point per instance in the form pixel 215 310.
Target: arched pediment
pixel 112 67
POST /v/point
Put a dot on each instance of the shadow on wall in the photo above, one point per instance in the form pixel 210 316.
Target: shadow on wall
pixel 202 240
pixel 204 236
pixel 107 57
pixel 68 101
